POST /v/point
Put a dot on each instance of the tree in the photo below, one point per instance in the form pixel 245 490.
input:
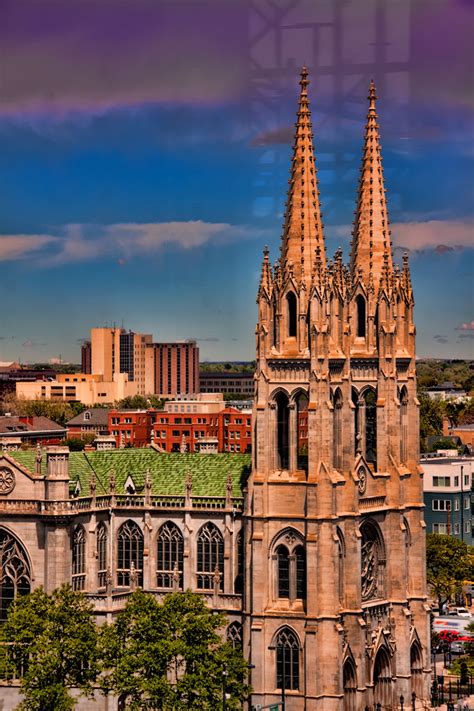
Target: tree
pixel 141 402
pixel 431 418
pixel 77 444
pixel 448 562
pixel 54 639
pixel 171 656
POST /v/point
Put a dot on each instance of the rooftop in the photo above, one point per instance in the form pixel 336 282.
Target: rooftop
pixel 168 472
pixel 12 423
pixel 93 416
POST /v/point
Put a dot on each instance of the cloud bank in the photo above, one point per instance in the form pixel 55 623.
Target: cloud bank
pixel 122 241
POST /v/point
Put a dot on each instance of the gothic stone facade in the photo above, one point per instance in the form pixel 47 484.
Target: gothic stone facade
pixel 320 560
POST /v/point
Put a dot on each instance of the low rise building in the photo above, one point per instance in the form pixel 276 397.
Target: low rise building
pixel 227 382
pixel 16 431
pixel 94 421
pixel 131 428
pixel 81 387
pixel 447 486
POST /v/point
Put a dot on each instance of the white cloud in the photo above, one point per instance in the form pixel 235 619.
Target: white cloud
pixel 21 246
pixel 122 241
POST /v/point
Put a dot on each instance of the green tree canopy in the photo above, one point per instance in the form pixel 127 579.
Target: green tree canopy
pixel 171 656
pixel 448 562
pixel 54 639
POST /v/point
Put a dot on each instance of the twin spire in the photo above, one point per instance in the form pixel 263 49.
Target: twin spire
pixel 303 249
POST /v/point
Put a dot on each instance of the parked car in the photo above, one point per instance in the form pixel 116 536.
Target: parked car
pixel 459 612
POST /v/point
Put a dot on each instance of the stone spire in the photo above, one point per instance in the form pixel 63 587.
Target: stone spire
pixel 266 278
pixel 371 250
pixel 303 228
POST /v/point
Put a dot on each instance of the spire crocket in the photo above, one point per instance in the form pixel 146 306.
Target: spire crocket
pixel 303 228
pixel 371 249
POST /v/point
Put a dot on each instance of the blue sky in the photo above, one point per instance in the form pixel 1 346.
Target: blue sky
pixel 144 158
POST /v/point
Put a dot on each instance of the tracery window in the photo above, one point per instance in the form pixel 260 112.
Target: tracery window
pixel 170 546
pixel 287 660
pixel 79 559
pixel 129 554
pixel 383 679
pixel 416 669
pixel 337 430
pixel 101 540
pixel 15 574
pixel 210 557
pixel 290 567
pixel 234 634
pixel 291 314
pixel 372 561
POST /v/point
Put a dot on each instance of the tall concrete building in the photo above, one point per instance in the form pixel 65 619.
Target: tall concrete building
pixel 114 350
pixel 172 368
pixel 335 602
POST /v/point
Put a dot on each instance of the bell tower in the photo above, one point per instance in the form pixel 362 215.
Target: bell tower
pixel 335 605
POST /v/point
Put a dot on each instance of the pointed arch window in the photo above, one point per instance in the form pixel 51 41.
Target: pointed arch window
pixel 129 554
pixel 169 557
pixel 349 680
pixel 283 424
pixel 101 541
pixel 79 558
pixel 416 669
pixel 234 634
pixel 341 554
pixel 283 558
pixel 361 316
pixel 287 660
pixel 383 679
pixel 403 425
pixel 239 578
pixel 275 324
pixel 365 424
pixel 337 430
pixel 291 314
pixel 15 574
pixel 210 557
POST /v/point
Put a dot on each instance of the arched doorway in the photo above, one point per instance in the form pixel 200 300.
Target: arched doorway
pixel 383 679
pixel 349 681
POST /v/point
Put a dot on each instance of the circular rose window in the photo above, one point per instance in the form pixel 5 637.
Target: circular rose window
pixel 7 481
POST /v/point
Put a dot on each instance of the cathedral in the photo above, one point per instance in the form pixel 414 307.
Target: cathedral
pixel 314 545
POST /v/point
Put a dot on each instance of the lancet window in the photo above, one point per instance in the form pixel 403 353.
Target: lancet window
pixel 337 430
pixel 290 568
pixel 283 424
pixel 101 541
pixel 291 314
pixel 350 685
pixel 302 432
pixel 361 316
pixel 79 559
pixel 169 557
pixel 365 413
pixel 129 555
pixel 15 574
pixel 383 679
pixel 287 660
pixel 403 425
pixel 416 669
pixel 210 558
pixel 239 578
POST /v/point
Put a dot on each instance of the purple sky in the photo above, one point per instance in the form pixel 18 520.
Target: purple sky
pixel 145 147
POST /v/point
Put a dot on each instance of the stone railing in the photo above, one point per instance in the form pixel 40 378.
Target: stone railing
pixel 69 507
pixel 117 600
pixel 372 502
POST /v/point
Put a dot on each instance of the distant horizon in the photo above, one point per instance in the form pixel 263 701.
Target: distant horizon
pixel 144 159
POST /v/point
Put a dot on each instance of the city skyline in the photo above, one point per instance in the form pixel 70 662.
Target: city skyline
pixel 144 159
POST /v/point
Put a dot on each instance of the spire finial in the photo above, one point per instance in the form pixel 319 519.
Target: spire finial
pixel 304 81
pixel 372 97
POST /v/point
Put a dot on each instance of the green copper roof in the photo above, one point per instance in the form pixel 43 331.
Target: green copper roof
pixel 167 471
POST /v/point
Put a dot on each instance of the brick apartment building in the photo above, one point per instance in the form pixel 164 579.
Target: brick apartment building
pixel 131 427
pixel 172 368
pixel 90 422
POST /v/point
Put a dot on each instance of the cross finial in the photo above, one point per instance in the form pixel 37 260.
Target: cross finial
pixel 372 97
